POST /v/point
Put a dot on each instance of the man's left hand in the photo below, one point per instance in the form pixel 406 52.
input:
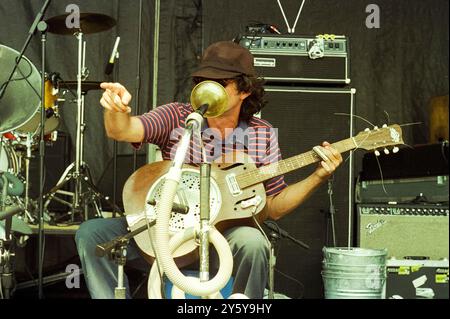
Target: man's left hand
pixel 331 159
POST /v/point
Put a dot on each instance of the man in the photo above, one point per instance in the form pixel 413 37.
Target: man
pixel 232 66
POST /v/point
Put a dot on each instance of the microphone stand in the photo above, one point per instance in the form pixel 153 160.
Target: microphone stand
pixel 42 27
pixel 331 210
pixel 205 175
pixel 138 77
pixel 275 234
pixel 272 261
pixel 116 250
pixel 116 77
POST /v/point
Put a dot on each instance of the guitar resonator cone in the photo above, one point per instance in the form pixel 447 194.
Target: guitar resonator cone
pixel 211 93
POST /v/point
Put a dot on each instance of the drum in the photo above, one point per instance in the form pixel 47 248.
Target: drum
pixel 9 161
pixel 51 114
pixel 21 99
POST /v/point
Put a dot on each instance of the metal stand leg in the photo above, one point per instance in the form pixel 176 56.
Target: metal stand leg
pixel 28 217
pixel 205 174
pixel 272 261
pixel 120 290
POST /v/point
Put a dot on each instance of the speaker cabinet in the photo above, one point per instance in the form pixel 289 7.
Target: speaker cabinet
pixel 305 117
pixel 405 230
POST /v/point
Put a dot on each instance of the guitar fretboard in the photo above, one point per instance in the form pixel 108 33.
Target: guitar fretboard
pixel 285 166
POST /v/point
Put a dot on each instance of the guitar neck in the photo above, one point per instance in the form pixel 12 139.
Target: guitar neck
pixel 285 166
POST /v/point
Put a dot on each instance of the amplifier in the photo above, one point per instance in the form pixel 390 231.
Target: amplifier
pixel 300 59
pixel 430 189
pixel 419 161
pixel 406 231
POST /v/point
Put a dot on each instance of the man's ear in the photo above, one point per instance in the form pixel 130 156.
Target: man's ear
pixel 244 95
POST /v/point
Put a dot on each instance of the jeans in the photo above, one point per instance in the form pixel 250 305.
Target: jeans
pixel 248 247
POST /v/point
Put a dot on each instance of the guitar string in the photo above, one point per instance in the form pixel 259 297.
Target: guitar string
pixel 289 164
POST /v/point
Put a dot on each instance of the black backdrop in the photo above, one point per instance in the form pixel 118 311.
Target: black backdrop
pixel 396 68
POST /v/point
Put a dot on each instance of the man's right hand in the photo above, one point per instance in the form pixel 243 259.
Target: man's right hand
pixel 115 98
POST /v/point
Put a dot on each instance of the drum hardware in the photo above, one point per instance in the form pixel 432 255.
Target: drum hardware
pixel 79 171
pixel 7 254
pixel 8 107
pixel 28 156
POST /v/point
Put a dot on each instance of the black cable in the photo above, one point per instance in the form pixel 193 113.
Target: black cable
pixel 24 77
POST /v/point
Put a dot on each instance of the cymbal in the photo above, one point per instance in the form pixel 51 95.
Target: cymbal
pixel 89 23
pixel 21 99
pixel 85 85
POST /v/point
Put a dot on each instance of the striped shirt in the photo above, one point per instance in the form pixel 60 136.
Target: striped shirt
pixel 165 124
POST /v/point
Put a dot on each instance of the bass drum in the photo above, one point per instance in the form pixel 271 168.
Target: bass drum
pixel 9 161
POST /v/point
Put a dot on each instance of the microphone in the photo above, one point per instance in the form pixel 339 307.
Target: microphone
pixel 274 227
pixel 110 65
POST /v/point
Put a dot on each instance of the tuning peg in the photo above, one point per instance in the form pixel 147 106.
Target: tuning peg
pixel 367 130
pixel 395 150
pixel 377 153
pixel 384 125
pixel 386 151
pixel 375 128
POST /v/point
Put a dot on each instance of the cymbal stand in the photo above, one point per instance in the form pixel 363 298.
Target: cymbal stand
pixel 79 171
pixel 80 122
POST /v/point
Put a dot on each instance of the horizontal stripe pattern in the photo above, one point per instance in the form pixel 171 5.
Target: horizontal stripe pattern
pixel 164 127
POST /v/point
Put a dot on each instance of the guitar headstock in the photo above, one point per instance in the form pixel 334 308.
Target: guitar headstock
pixel 380 138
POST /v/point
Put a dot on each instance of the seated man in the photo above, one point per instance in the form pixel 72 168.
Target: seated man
pixel 232 66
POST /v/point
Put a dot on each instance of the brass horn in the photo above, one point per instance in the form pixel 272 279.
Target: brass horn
pixel 213 95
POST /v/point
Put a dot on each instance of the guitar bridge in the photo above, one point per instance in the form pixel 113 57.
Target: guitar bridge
pixel 233 185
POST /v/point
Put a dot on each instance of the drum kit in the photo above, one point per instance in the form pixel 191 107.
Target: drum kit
pixel 20 120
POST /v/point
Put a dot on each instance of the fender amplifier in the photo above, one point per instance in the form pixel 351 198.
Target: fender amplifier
pixel 300 59
pixel 411 231
pixel 432 189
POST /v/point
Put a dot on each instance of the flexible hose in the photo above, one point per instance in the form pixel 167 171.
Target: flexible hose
pixel 164 248
pixel 154 282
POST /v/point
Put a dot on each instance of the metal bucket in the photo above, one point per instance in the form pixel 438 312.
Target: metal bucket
pixel 354 273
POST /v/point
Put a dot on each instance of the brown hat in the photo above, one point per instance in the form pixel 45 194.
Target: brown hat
pixel 225 60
